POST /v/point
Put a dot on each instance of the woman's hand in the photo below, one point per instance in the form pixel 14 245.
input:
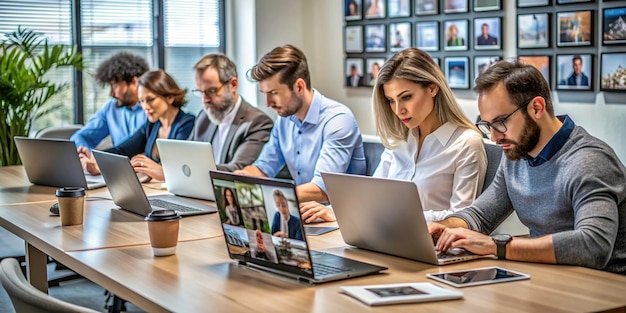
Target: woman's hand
pixel 147 166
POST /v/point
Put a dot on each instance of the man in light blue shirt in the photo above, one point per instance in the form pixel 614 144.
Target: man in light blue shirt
pixel 312 134
pixel 122 115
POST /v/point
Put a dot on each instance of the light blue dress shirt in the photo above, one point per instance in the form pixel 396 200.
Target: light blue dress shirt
pixel 328 140
pixel 119 122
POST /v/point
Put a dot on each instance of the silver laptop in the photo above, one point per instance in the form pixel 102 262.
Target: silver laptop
pixel 186 165
pixel 259 237
pixel 127 192
pixel 54 162
pixel 385 215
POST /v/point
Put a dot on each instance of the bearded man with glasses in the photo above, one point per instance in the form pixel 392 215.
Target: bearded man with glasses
pixel 566 186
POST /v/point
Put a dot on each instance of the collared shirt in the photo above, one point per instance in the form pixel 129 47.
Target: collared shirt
pixel 222 131
pixel 119 122
pixel 284 225
pixel 555 144
pixel 449 171
pixel 328 140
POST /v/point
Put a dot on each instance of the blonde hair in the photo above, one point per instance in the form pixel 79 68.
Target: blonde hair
pixel 416 66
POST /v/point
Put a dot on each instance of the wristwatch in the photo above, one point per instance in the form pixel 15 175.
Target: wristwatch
pixel 501 241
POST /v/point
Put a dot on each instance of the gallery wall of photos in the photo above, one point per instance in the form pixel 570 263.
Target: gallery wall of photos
pixel 579 45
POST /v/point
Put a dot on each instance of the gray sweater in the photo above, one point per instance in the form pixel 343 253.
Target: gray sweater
pixel 579 196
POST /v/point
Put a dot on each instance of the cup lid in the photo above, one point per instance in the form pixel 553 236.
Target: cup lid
pixel 162 215
pixel 70 192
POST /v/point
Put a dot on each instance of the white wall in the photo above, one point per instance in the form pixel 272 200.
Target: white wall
pixel 316 26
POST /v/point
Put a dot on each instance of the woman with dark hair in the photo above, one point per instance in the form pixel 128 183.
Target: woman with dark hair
pixel 161 99
pixel 231 208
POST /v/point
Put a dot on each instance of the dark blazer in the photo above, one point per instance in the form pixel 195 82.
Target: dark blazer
pixel 359 81
pixel 490 40
pixel 584 80
pixel 294 226
pixel 248 133
pixel 145 137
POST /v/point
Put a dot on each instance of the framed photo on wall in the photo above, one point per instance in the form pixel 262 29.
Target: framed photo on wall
pixel 487 5
pixel 533 30
pixel 456 70
pixel 574 71
pixel 456 35
pixel 399 8
pixel 574 28
pixel 426 7
pixel 374 9
pixel 375 38
pixel 571 1
pixel 613 72
pixel 481 63
pixel 427 36
pixel 540 62
pixel 399 36
pixel 352 10
pixel 613 30
pixel 354 72
pixel 532 3
pixel 372 67
pixel 487 33
pixel 354 38
pixel 455 6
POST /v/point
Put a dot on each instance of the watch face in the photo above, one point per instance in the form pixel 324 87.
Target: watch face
pixel 501 238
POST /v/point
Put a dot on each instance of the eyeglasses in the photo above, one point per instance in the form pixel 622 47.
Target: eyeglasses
pixel 209 92
pixel 498 125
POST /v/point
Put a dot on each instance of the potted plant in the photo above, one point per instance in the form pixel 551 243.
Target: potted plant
pixel 25 60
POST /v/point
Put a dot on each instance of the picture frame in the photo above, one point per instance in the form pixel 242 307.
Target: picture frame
pixel 487 5
pixel 612 30
pixel 456 35
pixel 613 72
pixel 532 3
pixel 399 8
pixel 354 73
pixel 487 33
pixel 372 66
pixel 399 36
pixel 571 1
pixel 541 62
pixel 353 38
pixel 574 28
pixel 375 38
pixel 427 36
pixel 482 62
pixel 574 72
pixel 374 9
pixel 533 30
pixel 455 6
pixel 426 7
pixel 456 70
pixel 352 10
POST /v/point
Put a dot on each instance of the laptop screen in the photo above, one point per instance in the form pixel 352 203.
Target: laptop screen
pixel 261 222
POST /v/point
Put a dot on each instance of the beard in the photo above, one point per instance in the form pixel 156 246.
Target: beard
pixel 292 109
pixel 528 140
pixel 127 100
pixel 220 109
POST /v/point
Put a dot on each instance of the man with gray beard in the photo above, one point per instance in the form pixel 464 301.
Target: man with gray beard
pixel 236 130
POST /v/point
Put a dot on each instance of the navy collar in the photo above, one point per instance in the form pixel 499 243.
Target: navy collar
pixel 555 144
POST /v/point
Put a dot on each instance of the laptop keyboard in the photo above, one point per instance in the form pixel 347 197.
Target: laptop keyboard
pixel 325 269
pixel 172 206
pixel 453 253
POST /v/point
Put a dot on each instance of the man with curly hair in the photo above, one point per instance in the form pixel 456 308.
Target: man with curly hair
pixel 122 115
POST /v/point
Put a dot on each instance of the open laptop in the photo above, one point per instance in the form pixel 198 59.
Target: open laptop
pixel 127 192
pixel 385 215
pixel 54 162
pixel 186 165
pixel 258 238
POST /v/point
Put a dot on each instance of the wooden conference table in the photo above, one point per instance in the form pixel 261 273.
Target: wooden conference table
pixel 112 250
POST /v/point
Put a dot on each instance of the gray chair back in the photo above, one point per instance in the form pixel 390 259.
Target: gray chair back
pixel 25 297
pixel 373 151
pixel 494 155
pixel 58 132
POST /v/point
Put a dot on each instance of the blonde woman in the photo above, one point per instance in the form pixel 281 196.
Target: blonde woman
pixel 428 139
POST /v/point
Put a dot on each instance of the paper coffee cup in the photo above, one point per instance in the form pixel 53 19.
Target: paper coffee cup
pixel 163 228
pixel 71 205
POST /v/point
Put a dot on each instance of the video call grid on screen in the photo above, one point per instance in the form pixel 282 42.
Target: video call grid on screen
pixel 255 234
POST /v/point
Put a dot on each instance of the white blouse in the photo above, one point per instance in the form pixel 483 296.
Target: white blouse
pixel 449 171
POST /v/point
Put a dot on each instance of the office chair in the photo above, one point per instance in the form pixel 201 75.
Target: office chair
pixel 58 132
pixel 25 297
pixel 373 150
